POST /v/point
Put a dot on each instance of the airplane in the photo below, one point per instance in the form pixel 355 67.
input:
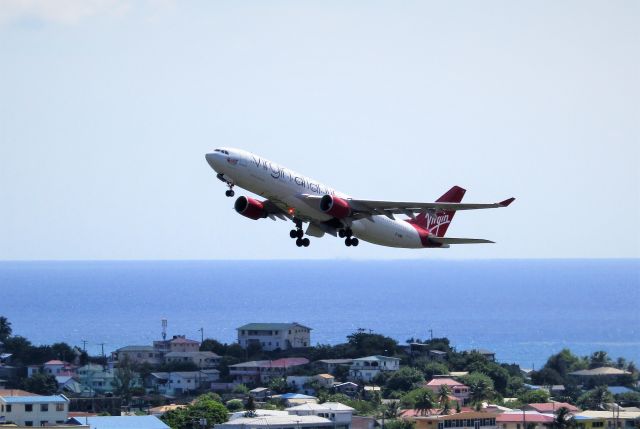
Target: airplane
pixel 291 196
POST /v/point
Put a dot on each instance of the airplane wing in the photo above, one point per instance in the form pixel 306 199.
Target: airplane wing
pixel 366 208
pixel 452 240
pixel 273 211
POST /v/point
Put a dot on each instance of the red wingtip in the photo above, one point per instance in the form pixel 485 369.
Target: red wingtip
pixel 505 203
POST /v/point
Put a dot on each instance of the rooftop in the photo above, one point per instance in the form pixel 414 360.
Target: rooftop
pixel 55 362
pixel 270 326
pixel 60 399
pixel 550 407
pixel 376 358
pixel 444 382
pixel 278 420
pixel 603 370
pixel 529 417
pixel 15 392
pixel 136 349
pixel 607 414
pixel 124 422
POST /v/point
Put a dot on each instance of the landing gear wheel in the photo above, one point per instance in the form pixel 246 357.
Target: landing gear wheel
pixel 299 233
pixel 355 242
pixel 293 233
pixel 347 242
pixel 305 242
pixel 348 232
pixel 230 193
pixel 341 233
pixel 299 242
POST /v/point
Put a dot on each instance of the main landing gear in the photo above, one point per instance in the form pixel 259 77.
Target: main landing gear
pixel 349 240
pixel 298 234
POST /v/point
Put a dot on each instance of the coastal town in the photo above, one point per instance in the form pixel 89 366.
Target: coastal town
pixel 272 377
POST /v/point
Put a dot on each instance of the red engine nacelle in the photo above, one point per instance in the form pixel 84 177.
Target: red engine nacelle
pixel 248 207
pixel 335 206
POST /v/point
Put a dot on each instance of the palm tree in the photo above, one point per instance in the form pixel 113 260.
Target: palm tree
pixel 5 328
pixel 392 410
pixel 563 419
pixel 443 394
pixel 424 402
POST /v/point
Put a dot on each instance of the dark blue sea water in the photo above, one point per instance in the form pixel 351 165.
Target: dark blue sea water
pixel 524 310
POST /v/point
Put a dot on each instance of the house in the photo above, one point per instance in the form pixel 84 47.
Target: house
pixel 601 375
pixel 330 366
pixel 180 382
pixel 340 414
pixel 34 410
pixel 263 371
pixel 95 379
pixel 606 419
pixel 200 359
pixel 122 422
pixel 550 407
pixel 260 393
pixel 66 383
pixel 326 381
pixel 486 353
pixel 519 420
pixel 348 388
pixel 367 368
pixel 277 422
pixel 293 399
pixel 274 336
pixel 160 410
pixel 300 383
pixel 467 419
pixel 138 355
pixel 458 390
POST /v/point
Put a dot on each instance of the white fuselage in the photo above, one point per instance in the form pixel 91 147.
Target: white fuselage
pixel 283 187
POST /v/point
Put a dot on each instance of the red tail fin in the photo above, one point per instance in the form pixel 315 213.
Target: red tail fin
pixel 438 223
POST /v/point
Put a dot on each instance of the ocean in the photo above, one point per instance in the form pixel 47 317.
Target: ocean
pixel 523 310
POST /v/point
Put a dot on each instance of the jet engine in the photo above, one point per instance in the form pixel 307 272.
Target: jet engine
pixel 248 207
pixel 335 206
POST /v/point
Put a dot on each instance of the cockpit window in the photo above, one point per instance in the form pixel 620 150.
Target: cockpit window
pixel 221 151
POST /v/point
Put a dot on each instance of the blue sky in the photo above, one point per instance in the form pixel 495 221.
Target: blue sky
pixel 107 108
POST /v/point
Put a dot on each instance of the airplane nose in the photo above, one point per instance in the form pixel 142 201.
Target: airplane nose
pixel 211 160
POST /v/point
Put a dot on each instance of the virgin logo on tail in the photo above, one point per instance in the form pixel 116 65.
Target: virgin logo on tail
pixel 433 223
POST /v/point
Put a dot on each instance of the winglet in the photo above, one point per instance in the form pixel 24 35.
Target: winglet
pixel 506 202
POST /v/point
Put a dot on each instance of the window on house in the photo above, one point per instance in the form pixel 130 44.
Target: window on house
pixel 8 408
pixel 59 407
pixel 28 408
pixel 44 422
pixel 44 407
pixel 28 423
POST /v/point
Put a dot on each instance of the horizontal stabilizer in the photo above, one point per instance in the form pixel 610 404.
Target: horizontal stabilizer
pixel 453 240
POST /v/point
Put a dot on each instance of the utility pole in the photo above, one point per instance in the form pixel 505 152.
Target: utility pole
pixel 201 335
pixel 431 334
pixel 84 345
pixel 102 347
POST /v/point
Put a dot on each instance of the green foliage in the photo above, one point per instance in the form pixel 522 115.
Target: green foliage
pixel 418 399
pixel 5 328
pixel 124 380
pixel 41 384
pixel 215 346
pixel 366 344
pixel 480 387
pixel 278 385
pixel 241 389
pixel 534 396
pixel 599 358
pixel 203 407
pixel 399 424
pixel 177 366
pixel 405 379
pixel 234 405
pixel 595 399
pixel 628 399
pixel 430 368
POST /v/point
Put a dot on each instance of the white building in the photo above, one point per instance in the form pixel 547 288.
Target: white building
pixel 277 422
pixel 367 368
pixel 179 382
pixel 274 336
pixel 34 410
pixel 338 413
pixel 200 359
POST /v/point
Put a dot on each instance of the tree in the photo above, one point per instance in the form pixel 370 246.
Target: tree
pixel 241 389
pixel 234 405
pixel 480 387
pixel 41 384
pixel 443 395
pixel 124 380
pixel 424 402
pixel 598 359
pixel 365 344
pixel 5 328
pixel 400 424
pixel 534 396
pixel 405 379
pixel 430 368
pixel 563 419
pixel 203 407
pixel 391 410
pixel 595 399
pixel 64 352
pixel 278 385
